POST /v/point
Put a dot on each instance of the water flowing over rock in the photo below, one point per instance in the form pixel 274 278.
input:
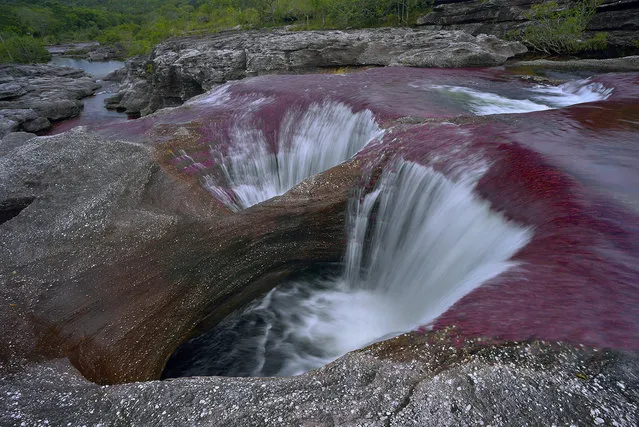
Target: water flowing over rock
pixel 32 96
pixel 178 69
pixel 115 251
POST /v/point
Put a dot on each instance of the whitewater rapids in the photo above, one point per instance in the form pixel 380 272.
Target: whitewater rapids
pixel 417 243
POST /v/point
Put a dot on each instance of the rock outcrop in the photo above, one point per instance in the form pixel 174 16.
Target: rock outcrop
pixel 32 96
pixel 91 51
pixel 411 380
pixel 109 230
pixel 619 19
pixel 179 69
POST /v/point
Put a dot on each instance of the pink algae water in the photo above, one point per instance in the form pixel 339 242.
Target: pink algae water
pixel 557 164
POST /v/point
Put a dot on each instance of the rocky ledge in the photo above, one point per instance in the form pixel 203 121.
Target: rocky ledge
pixel 91 51
pixel 32 96
pixel 618 18
pixel 179 69
pixel 412 380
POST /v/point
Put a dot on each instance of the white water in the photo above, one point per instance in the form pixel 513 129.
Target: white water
pixel 309 142
pixel 417 244
pixel 538 98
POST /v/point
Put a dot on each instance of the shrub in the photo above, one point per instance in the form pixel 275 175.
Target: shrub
pixel 23 49
pixel 561 31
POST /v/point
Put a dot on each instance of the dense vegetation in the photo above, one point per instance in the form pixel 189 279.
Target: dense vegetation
pixel 137 25
pixel 559 30
pixel 134 26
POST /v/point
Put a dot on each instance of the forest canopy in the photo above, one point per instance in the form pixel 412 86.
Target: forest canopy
pixel 137 25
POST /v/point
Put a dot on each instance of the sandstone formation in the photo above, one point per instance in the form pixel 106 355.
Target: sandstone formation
pixel 179 69
pixel 32 96
pixel 620 19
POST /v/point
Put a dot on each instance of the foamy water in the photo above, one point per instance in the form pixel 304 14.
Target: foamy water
pixel 417 244
pixel 309 142
pixel 538 98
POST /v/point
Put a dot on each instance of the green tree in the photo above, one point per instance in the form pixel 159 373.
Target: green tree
pixel 562 31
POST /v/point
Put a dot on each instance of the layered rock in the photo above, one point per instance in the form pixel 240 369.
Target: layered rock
pixel 619 19
pixel 32 96
pixel 179 69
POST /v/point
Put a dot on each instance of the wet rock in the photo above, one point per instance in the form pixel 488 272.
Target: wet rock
pixel 34 95
pixel 411 380
pixel 181 68
pixel 109 235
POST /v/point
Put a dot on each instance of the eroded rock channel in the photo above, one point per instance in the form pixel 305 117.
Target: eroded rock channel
pixel 470 202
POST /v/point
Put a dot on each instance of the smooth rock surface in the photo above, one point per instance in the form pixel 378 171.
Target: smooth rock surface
pixel 31 96
pixel 179 69
pixel 113 236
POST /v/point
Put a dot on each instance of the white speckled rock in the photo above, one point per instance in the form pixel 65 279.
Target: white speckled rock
pixel 181 68
pixel 410 380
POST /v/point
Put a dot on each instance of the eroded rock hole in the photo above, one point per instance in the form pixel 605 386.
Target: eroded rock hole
pixel 417 244
pixel 11 208
pixel 251 169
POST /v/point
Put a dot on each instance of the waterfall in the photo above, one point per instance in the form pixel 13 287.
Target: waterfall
pixel 308 142
pixel 537 98
pixel 417 243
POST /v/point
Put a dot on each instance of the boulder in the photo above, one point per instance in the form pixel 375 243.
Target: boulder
pixel 181 68
pixel 31 96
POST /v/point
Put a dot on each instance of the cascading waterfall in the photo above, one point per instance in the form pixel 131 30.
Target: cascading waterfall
pixel 417 243
pixel 538 98
pixel 309 142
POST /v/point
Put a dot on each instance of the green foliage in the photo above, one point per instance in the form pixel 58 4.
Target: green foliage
pixel 137 25
pixel 561 31
pixel 23 49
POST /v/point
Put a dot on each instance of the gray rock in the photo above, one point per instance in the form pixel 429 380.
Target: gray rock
pixel 14 140
pixel 619 19
pixel 36 125
pixel 628 63
pixel 93 230
pixel 34 95
pixel 11 90
pixel 181 68
pixel 407 381
pixel 7 125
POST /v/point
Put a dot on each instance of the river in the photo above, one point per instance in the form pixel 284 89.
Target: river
pixel 94 112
